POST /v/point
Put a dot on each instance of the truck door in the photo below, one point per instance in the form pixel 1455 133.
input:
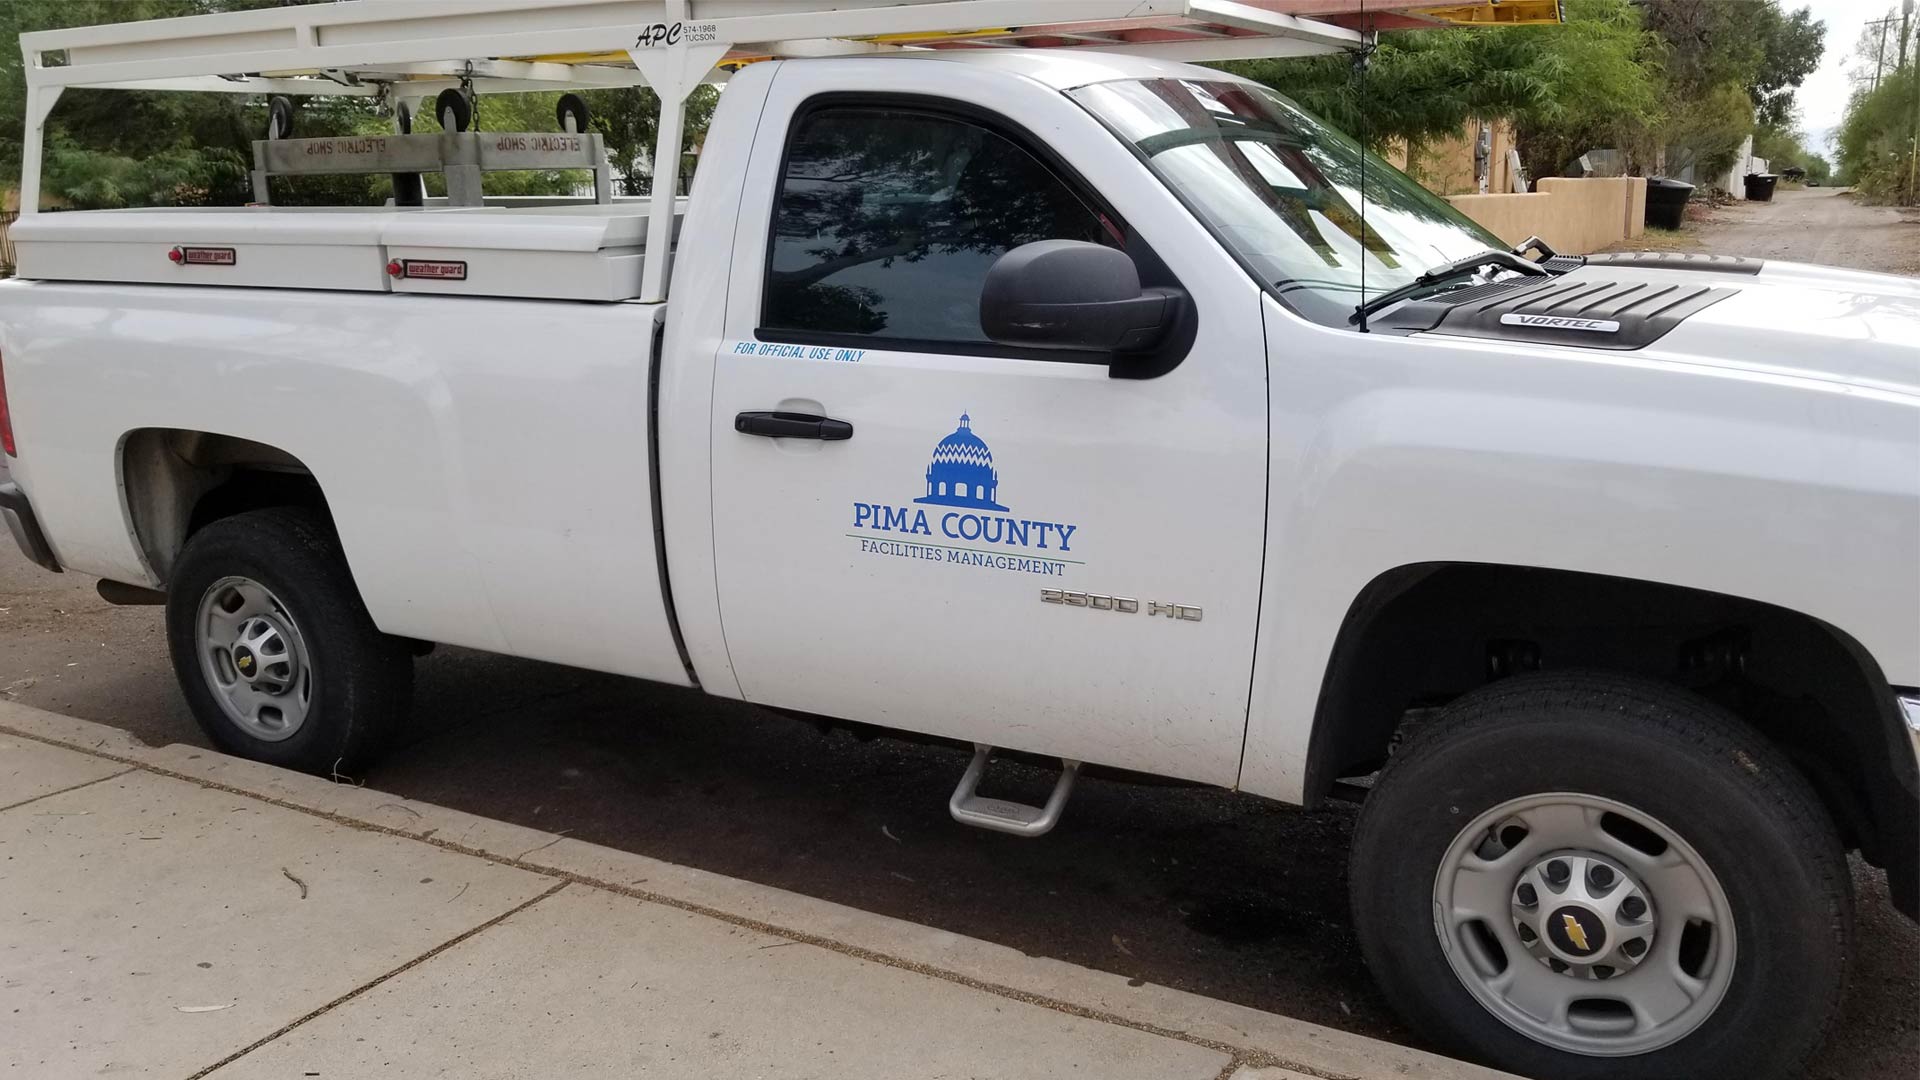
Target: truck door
pixel 995 544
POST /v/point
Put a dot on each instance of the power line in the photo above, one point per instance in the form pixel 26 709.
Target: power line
pixel 1880 53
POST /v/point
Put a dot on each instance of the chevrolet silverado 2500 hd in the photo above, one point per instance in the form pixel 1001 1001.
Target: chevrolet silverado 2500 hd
pixel 1059 401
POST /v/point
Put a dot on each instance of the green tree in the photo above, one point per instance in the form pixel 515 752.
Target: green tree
pixel 1605 95
pixel 1877 152
pixel 109 148
pixel 1569 88
pixel 114 148
pixel 629 118
pixel 1727 68
pixel 1791 49
pixel 1417 87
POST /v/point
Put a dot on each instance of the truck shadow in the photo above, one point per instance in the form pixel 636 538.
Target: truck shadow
pixel 1220 894
pixel 1224 895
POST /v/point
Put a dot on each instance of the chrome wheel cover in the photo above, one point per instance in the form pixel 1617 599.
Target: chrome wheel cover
pixel 1584 924
pixel 253 658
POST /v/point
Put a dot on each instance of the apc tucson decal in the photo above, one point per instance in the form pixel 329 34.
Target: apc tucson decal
pixel 962 520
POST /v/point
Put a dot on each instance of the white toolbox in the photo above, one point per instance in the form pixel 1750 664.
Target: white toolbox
pixel 567 252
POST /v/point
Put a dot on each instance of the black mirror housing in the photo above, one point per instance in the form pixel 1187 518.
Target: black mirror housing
pixel 1071 294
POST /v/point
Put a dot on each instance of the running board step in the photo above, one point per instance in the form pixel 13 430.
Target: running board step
pixel 1000 815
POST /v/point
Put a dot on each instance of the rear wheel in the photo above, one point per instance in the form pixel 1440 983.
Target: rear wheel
pixel 274 651
pixel 1590 876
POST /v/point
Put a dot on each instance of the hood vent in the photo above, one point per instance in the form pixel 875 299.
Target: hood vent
pixel 1588 313
pixel 1658 260
pixel 1677 260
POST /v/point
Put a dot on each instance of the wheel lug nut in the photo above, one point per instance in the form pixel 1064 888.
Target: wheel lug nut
pixel 1602 971
pixel 1634 947
pixel 1601 877
pixel 1558 873
pixel 1633 908
pixel 1527 895
pixel 1526 933
pixel 1559 966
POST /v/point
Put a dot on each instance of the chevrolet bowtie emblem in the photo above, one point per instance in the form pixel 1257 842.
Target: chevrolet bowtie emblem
pixel 1575 932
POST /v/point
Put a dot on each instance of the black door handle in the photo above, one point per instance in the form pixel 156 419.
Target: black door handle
pixel 791 425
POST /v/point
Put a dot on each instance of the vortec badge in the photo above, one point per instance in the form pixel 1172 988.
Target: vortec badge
pixel 1562 322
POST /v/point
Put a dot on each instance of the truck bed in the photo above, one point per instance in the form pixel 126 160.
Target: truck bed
pixel 490 488
pixel 568 252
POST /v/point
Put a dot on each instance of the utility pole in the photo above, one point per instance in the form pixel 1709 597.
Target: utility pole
pixel 1880 53
pixel 1906 20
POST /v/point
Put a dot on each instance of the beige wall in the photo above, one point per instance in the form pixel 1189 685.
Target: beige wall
pixel 1575 216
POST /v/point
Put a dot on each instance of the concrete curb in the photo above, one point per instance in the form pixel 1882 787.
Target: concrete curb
pixel 1256 1040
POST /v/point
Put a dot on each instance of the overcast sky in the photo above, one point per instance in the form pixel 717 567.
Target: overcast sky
pixel 1823 97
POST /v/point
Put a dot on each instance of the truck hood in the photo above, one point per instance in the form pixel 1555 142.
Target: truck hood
pixel 1845 327
pixel 1794 319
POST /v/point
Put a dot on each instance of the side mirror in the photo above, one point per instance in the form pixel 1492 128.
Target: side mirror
pixel 1070 294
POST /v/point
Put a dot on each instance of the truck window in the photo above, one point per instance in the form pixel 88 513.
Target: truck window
pixel 887 220
pixel 1282 190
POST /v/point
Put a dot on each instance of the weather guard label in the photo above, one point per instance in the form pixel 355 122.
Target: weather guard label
pixel 433 270
pixel 207 256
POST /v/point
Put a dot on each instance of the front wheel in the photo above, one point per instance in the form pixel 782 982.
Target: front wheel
pixel 1589 876
pixel 274 650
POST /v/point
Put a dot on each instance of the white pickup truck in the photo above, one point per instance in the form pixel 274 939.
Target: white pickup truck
pixel 1061 402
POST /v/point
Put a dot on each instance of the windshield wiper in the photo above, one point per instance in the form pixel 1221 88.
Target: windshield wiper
pixel 1447 271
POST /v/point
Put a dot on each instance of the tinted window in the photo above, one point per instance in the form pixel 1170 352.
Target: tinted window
pixel 887 222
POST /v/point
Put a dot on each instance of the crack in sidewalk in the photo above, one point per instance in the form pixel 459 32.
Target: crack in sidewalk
pixel 131 767
pixel 377 980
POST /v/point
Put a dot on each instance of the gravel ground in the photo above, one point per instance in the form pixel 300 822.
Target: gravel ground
pixel 1227 896
pixel 1813 225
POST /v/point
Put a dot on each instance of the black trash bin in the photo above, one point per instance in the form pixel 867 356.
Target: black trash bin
pixel 1760 186
pixel 1667 202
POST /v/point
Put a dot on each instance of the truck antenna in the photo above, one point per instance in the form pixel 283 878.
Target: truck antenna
pixel 1361 57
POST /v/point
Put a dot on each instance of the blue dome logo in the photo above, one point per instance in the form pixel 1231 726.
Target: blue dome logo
pixel 962 472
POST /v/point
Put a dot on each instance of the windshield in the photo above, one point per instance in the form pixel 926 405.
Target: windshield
pixel 1282 190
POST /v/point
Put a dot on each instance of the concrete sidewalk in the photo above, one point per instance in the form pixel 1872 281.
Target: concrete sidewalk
pixel 173 912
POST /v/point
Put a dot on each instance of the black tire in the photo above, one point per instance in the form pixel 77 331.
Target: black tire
pixel 453 110
pixel 1683 761
pixel 407 187
pixel 571 113
pixel 279 117
pixel 361 680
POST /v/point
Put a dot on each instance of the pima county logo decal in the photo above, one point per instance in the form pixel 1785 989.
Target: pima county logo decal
pixel 962 476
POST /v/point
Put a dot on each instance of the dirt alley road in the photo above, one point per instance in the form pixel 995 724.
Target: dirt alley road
pixel 1815 225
